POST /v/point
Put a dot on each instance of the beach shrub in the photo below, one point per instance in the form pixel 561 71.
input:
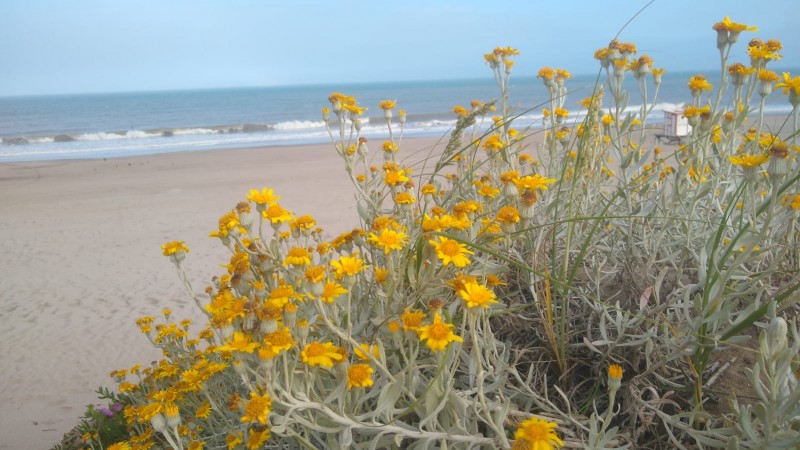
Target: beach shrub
pixel 503 293
pixel 100 427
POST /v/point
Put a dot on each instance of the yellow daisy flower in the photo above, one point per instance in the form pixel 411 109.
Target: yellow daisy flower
pixel 487 190
pixel 748 161
pixel 276 214
pixel 275 343
pixel 359 375
pixel 281 295
pixel 265 197
pixel 203 411
pixel 380 275
pixel 119 446
pixel 477 295
pixel 315 274
pixel 460 111
pixel 614 375
pixel 388 240
pixel 347 265
pixel 395 177
pixel 321 354
pixel 493 143
pixel 789 84
pixel 387 104
pixel 451 251
pixel 545 73
pixel 304 222
pixel 257 408
pixel 728 25
pixel 363 350
pixel 257 438
pixel 539 434
pixel 233 441
pixel 699 83
pixel 240 342
pixel 493 280
pixel 438 335
pixel 507 215
pixel 412 319
pixel 297 256
pixel 173 247
pixel 332 291
pixel 532 182
pixel 389 147
pixel 404 198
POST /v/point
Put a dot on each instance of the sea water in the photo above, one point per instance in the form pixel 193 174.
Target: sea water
pixel 140 123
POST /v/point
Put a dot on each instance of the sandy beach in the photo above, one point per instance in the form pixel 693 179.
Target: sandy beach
pixel 81 260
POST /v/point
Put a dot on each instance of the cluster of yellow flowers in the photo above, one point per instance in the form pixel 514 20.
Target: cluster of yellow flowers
pixel 384 332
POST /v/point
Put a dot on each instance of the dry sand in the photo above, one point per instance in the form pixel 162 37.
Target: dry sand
pixel 80 260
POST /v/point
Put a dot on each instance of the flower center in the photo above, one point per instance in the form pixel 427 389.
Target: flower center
pixel 450 248
pixel 315 349
pixel 358 375
pixel 390 239
pixel 439 331
pixel 279 339
pixel 479 296
pixel 298 252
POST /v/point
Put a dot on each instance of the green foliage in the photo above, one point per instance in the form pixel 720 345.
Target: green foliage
pixel 101 427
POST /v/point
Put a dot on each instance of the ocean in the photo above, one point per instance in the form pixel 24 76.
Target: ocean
pixel 80 126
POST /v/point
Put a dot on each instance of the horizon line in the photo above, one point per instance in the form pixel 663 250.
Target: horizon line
pixel 322 84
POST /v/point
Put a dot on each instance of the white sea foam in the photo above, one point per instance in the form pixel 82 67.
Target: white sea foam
pixel 189 131
pixel 300 124
pixel 103 136
pixel 40 140
pixel 136 134
pixel 433 124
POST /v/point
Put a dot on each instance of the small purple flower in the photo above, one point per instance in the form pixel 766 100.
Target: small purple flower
pixel 106 412
pixel 117 407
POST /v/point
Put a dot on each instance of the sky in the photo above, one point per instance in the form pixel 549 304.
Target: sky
pixel 79 46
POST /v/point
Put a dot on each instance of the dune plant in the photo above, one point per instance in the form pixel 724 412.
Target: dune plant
pixel 498 290
pixel 101 426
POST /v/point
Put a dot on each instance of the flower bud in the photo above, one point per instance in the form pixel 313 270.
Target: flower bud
pixel 159 423
pixel 776 331
pixel 778 160
pixel 302 330
pixel 177 257
pixel 722 38
pixel 765 88
pixel 290 314
pixel 268 325
pixel 348 281
pixel 226 332
pixel 316 288
pixel 249 322
pixel 173 416
pixel 240 367
pixel 614 377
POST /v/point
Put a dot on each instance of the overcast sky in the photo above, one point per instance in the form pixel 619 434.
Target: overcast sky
pixel 74 46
